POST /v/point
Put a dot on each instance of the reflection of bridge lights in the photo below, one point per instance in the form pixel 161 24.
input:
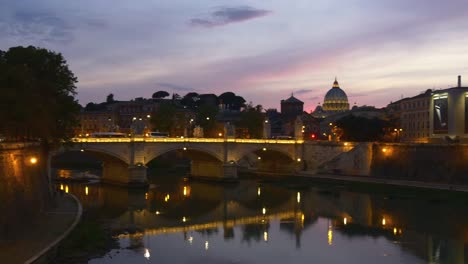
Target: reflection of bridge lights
pixel 330 235
pixel 264 210
pixel 298 197
pixel 265 236
pixel 86 190
pixel 190 239
pixel 259 191
pixel 147 254
pixel 206 245
pixel 345 221
pixel 302 218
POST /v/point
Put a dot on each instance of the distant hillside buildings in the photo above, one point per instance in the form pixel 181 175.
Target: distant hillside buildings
pixel 432 116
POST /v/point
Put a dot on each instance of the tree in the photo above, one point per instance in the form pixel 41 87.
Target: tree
pixel 110 98
pixel 232 101
pixel 38 90
pixel 160 94
pixel 190 100
pixel 206 118
pixel 356 128
pixel 163 118
pixel 252 118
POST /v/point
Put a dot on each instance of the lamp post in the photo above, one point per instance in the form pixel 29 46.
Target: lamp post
pixel 398 132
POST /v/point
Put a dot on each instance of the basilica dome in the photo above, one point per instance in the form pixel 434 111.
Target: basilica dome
pixel 335 99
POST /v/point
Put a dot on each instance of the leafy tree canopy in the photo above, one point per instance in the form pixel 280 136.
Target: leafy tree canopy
pixel 357 128
pixel 190 100
pixel 110 98
pixel 38 92
pixel 162 119
pixel 232 101
pixel 252 118
pixel 160 94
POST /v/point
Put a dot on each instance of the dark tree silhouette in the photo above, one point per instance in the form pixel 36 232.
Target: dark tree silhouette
pixel 160 94
pixel 190 100
pixel 163 118
pixel 232 101
pixel 356 128
pixel 252 118
pixel 110 98
pixel 38 90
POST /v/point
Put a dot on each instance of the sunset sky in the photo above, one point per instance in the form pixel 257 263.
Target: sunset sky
pixel 262 50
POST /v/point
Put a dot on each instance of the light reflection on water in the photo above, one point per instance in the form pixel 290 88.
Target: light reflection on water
pixel 178 221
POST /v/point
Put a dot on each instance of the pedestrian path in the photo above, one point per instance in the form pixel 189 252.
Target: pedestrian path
pixel 31 242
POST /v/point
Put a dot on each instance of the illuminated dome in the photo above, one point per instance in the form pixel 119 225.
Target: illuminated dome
pixel 335 99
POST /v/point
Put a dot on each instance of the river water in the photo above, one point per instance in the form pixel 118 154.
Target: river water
pixel 182 221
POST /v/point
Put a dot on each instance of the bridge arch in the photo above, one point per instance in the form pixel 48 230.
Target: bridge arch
pixel 258 150
pixel 151 155
pixel 101 154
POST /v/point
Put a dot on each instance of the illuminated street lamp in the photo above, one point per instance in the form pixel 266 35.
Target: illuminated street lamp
pixel 33 160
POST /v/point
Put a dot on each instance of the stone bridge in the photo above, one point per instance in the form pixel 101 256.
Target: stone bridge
pixel 125 159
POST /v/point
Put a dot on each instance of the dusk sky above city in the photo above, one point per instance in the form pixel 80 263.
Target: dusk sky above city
pixel 261 50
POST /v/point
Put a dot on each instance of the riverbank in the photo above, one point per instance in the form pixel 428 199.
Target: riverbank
pixel 389 182
pixel 33 244
pixel 303 178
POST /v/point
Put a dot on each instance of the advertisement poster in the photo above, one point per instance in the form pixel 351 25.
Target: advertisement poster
pixel 466 114
pixel 441 116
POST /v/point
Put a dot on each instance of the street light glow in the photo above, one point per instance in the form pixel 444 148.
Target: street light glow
pixel 33 160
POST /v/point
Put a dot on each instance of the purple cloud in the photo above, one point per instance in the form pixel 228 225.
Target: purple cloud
pixel 227 15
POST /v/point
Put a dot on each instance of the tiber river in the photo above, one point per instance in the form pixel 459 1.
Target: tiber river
pixel 181 221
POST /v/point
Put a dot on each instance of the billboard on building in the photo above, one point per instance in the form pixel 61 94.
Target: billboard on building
pixel 466 113
pixel 441 115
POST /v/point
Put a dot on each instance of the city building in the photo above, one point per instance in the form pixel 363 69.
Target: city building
pixel 448 115
pixel 412 118
pixel 432 116
pixel 291 108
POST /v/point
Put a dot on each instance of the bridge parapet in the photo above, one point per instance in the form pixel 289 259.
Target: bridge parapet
pixel 182 140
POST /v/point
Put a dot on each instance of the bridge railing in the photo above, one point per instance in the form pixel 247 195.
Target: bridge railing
pixel 181 140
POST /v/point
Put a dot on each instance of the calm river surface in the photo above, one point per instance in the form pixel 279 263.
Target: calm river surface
pixel 181 221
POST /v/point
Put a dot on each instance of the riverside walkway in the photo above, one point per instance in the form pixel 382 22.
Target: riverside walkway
pixel 32 243
pixel 395 182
